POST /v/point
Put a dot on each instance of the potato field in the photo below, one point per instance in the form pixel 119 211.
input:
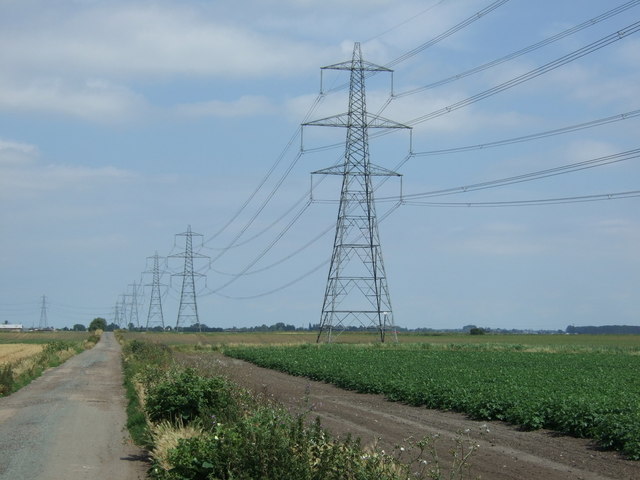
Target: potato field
pixel 590 392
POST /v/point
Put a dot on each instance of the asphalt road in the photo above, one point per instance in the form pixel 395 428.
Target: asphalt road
pixel 69 424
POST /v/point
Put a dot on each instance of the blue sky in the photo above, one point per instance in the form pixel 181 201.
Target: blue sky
pixel 123 122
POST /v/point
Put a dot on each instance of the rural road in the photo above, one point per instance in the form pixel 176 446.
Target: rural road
pixel 69 424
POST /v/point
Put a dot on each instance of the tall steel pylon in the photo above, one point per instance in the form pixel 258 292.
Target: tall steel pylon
pixel 155 316
pixel 42 325
pixel 188 310
pixel 356 293
pixel 133 312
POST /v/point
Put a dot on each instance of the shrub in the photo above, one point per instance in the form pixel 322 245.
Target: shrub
pixel 271 444
pixel 186 396
pixel 6 379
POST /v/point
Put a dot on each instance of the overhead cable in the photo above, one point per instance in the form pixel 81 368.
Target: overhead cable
pixel 523 51
pixel 533 136
pixel 528 203
pixel 581 52
pixel 549 172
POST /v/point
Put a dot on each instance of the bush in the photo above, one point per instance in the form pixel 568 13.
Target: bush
pixel 186 396
pixel 6 379
pixel 271 444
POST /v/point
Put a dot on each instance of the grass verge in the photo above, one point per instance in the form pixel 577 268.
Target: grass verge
pixel 199 425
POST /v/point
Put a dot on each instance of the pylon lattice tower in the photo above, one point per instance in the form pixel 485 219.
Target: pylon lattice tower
pixel 155 316
pixel 357 293
pixel 133 312
pixel 43 324
pixel 117 314
pixel 188 310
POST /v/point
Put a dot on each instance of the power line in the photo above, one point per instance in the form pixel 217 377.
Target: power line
pixel 257 258
pixel 279 159
pixel 404 22
pixel 533 136
pixel 581 52
pixel 465 23
pixel 304 275
pixel 476 16
pixel 549 172
pixel 523 51
pixel 537 202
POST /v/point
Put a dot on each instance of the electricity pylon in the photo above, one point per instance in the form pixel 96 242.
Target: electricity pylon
pixel 155 316
pixel 42 325
pixel 133 312
pixel 188 310
pixel 356 293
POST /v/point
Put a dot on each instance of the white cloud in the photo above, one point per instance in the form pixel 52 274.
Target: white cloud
pixel 134 38
pixel 94 99
pixel 16 153
pixel 35 182
pixel 247 105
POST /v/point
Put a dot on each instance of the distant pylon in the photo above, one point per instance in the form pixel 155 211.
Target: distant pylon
pixel 133 312
pixel 43 324
pixel 116 314
pixel 356 294
pixel 188 310
pixel 155 316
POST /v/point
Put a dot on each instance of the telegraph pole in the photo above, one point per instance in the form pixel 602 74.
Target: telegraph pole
pixel 356 293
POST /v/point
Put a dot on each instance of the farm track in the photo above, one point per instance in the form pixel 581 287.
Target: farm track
pixel 69 424
pixel 505 452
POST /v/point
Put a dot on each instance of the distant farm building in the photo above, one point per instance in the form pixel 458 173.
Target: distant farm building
pixel 8 327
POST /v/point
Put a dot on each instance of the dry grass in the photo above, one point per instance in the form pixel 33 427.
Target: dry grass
pixel 166 437
pixel 16 352
pixel 552 342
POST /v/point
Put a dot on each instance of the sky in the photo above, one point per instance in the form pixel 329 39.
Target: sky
pixel 124 123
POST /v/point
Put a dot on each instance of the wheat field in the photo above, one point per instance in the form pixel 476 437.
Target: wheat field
pixel 13 352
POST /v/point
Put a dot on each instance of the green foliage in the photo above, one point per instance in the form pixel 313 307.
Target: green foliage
pixel 98 324
pixel 589 395
pixel 269 443
pixel 141 361
pixel 6 379
pixel 237 436
pixel 187 396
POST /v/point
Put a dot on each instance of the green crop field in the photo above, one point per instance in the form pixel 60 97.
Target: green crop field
pixel 588 388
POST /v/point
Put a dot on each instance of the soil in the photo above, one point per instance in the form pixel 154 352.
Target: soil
pixel 505 453
pixel 69 424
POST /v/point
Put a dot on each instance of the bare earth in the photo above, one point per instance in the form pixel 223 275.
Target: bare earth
pixel 505 452
pixel 69 424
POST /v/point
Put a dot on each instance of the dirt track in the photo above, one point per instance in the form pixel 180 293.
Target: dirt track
pixel 69 424
pixel 505 453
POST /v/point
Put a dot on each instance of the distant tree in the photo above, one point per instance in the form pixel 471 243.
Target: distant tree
pixel 78 327
pixel 98 323
pixel 477 331
pixel 112 326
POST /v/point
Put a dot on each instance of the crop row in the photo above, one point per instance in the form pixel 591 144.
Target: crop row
pixel 590 395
